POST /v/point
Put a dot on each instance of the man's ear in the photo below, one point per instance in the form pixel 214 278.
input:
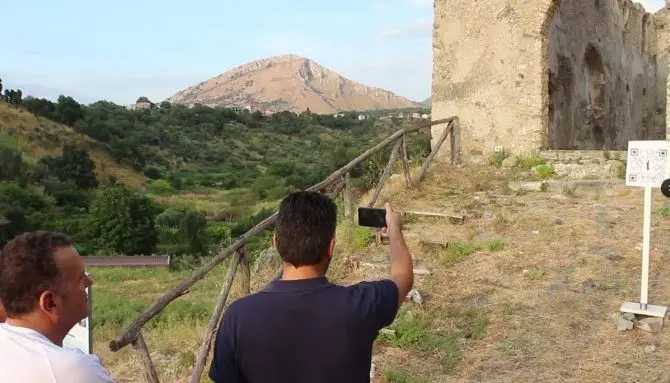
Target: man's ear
pixel 3 313
pixel 331 247
pixel 48 304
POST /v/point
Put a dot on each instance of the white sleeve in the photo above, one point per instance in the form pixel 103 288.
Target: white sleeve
pixel 88 369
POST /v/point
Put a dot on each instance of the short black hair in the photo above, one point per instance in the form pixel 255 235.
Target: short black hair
pixel 27 269
pixel 305 225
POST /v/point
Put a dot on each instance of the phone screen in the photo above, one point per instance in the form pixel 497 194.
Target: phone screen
pixel 371 217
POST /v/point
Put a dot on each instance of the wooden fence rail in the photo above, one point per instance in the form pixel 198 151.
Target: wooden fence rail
pixel 339 180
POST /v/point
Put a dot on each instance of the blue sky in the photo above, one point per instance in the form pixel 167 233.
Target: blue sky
pixel 120 50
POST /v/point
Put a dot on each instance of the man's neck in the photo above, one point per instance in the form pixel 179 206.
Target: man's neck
pixel 35 324
pixel 291 273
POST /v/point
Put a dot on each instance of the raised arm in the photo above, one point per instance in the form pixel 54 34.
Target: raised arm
pixel 402 270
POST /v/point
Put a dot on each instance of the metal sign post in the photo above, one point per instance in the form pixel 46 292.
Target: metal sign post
pixel 647 167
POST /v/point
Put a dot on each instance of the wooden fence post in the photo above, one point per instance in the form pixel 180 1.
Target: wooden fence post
pixel 348 201
pixel 385 175
pixel 215 319
pixel 432 154
pixel 150 373
pixel 246 270
pixel 338 189
pixel 405 161
pixel 455 141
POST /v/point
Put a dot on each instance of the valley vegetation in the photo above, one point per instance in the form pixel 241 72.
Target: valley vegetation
pixel 194 178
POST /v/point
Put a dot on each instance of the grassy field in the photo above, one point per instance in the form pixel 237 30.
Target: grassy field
pixel 119 295
pixel 525 290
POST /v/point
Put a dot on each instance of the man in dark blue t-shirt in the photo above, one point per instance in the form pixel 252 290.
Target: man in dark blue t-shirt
pixel 302 328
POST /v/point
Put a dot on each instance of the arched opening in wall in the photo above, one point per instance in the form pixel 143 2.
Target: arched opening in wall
pixel 547 81
pixel 596 91
pixel 558 82
pixel 579 80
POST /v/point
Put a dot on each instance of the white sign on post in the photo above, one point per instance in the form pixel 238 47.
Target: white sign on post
pixel 81 335
pixel 647 167
pixel 647 163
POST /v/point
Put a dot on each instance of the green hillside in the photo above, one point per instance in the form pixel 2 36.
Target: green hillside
pixel 36 137
pixel 167 179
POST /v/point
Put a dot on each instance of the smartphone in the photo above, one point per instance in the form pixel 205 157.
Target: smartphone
pixel 371 217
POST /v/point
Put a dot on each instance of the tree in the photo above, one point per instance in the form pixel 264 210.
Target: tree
pixel 18 206
pixel 0 86
pixel 17 98
pixel 122 221
pixel 10 163
pixel 69 110
pixel 74 165
pixel 41 107
pixel 193 228
pixel 14 97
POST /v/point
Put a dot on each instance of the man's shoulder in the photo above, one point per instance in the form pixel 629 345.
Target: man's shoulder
pixel 242 305
pixel 63 362
pixel 81 367
pixel 78 366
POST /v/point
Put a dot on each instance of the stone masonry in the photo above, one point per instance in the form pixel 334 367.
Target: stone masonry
pixel 531 75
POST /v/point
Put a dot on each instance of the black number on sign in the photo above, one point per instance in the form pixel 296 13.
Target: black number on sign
pixel 647 165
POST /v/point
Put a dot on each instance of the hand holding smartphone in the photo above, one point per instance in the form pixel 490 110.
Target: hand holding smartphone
pixel 400 259
pixel 371 217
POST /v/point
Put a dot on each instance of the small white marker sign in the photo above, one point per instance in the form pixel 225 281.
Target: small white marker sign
pixel 647 164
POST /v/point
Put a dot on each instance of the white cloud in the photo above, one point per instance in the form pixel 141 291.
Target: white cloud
pixel 418 28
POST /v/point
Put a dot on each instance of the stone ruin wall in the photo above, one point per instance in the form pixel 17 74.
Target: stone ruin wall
pixel 530 75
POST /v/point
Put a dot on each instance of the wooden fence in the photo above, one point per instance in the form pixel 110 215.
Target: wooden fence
pixel 339 180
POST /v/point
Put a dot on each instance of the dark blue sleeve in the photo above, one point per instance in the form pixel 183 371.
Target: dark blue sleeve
pixel 377 302
pixel 224 368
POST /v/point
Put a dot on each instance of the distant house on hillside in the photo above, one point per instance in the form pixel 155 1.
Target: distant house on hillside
pixel 144 103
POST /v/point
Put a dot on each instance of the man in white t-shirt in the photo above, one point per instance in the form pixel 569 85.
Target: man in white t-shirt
pixel 43 290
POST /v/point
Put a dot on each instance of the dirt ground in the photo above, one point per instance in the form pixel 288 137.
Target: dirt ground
pixel 570 258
